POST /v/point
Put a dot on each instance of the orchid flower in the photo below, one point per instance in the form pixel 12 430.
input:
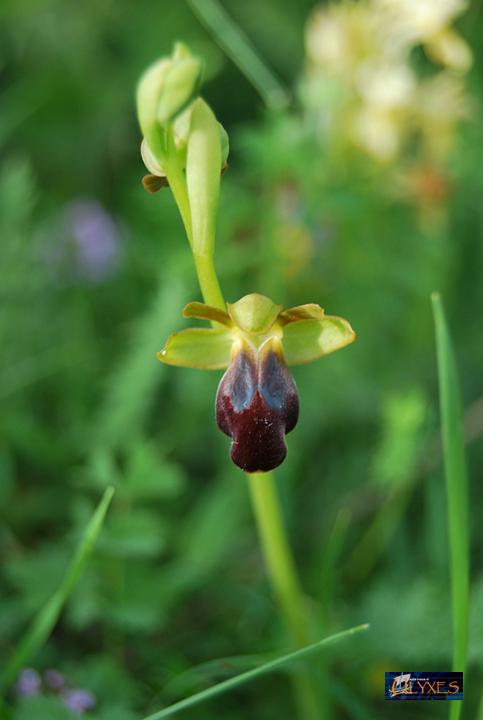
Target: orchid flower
pixel 256 340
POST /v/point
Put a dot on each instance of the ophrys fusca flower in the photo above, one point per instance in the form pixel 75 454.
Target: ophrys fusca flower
pixel 256 340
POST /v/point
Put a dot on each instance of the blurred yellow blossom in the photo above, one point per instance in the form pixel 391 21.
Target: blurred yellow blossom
pixel 361 85
pixel 427 23
pixel 441 104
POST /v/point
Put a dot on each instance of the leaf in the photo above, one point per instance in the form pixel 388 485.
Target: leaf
pixel 149 476
pixel 307 340
pixel 45 620
pixel 204 348
pixel 250 675
pixel 239 49
pixel 456 488
pixel 134 534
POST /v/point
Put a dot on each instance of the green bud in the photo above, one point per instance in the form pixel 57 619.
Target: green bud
pixel 181 87
pixel 165 89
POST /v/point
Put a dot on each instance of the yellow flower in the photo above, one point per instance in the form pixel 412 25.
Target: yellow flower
pixel 427 22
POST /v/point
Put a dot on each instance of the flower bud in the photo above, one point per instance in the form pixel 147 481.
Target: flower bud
pixel 164 91
pixel 256 405
pixel 181 130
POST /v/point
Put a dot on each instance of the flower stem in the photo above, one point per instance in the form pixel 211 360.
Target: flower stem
pixel 278 557
pixel 208 280
pixel 284 581
pixel 177 184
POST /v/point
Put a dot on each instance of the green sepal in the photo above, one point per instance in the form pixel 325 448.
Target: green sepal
pixel 180 88
pixel 254 313
pixel 309 311
pixel 307 340
pixel 207 312
pixel 203 348
pixel 203 165
pixel 147 99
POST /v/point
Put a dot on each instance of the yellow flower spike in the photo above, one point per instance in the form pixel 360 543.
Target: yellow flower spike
pixel 257 401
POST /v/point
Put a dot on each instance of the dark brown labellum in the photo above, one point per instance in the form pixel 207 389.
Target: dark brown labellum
pixel 256 405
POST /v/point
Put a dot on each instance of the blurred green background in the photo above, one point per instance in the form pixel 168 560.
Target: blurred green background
pixel 95 273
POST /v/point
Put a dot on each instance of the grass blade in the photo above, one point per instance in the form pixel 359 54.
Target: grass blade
pixel 45 620
pixel 239 48
pixel 254 673
pixel 456 489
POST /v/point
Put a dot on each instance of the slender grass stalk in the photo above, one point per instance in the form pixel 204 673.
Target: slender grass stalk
pixel 45 620
pixel 250 675
pixel 239 48
pixel 456 490
pixel 284 581
pixel 327 566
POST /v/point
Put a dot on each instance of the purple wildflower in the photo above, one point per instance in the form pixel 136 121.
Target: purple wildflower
pixel 86 242
pixel 79 700
pixel 54 680
pixel 93 238
pixel 28 683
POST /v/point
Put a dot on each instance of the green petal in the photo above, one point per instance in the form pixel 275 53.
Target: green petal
pixel 309 311
pixel 203 348
pixel 308 340
pixel 206 312
pixel 151 161
pixel 254 313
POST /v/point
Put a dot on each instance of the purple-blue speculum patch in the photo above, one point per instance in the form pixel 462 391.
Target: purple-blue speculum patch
pixel 256 405
pixel 255 339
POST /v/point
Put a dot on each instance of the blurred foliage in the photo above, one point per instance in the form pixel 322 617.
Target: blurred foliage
pixel 94 276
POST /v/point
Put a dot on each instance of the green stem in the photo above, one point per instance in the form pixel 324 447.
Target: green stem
pixel 177 184
pixel 208 280
pixel 456 476
pixel 284 581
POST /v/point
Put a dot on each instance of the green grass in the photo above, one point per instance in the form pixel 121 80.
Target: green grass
pixel 257 672
pixel 456 490
pixel 238 47
pixel 45 620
